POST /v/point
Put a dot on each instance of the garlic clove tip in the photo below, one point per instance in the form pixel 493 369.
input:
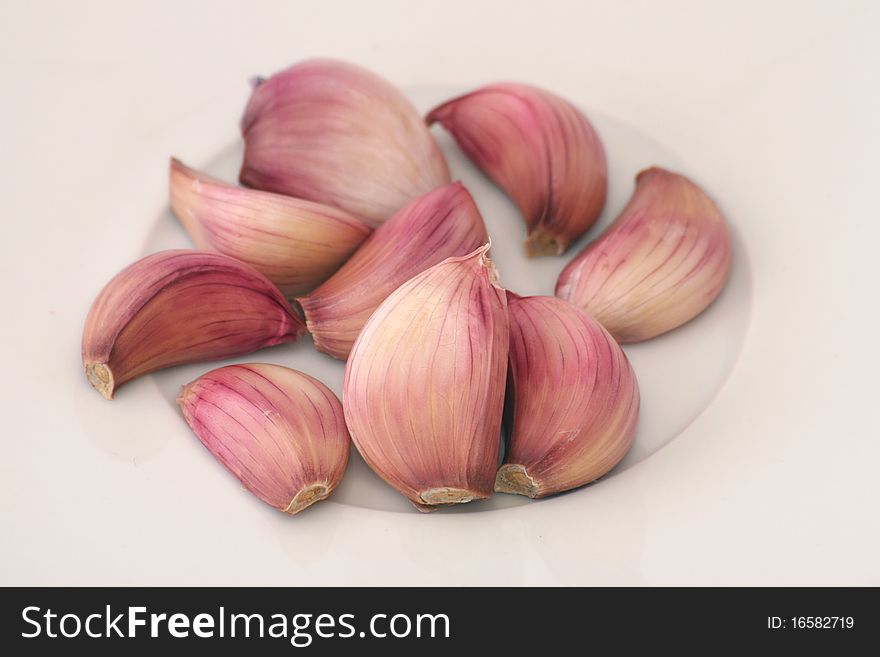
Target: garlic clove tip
pixel 515 479
pixel 101 378
pixel 540 242
pixel 447 495
pixel 306 497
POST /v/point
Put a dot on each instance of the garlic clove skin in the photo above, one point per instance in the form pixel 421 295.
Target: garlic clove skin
pixel 296 244
pixel 435 226
pixel 280 432
pixel 335 133
pixel 660 264
pixel 424 386
pixel 541 150
pixel 181 306
pixel 575 399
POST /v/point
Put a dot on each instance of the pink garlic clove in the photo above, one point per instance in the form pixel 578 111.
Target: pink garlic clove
pixel 660 264
pixel 177 307
pixel 541 151
pixel 335 133
pixel 574 396
pixel 279 431
pixel 296 244
pixel 424 385
pixel 440 224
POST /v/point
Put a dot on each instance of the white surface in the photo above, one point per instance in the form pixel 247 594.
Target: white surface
pixel 772 108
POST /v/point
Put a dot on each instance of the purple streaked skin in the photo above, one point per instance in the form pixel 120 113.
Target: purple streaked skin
pixel 424 385
pixel 575 399
pixel 335 133
pixel 660 264
pixel 181 306
pixel 541 150
pixel 280 432
pixel 297 244
pixel 438 225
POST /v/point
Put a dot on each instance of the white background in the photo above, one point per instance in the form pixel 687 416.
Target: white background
pixel 776 103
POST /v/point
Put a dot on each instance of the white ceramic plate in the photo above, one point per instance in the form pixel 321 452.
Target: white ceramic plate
pixel 679 373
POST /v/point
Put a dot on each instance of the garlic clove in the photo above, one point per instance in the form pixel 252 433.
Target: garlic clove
pixel 335 133
pixel 177 307
pixel 279 431
pixel 296 244
pixel 660 264
pixel 574 395
pixel 424 386
pixel 541 150
pixel 438 225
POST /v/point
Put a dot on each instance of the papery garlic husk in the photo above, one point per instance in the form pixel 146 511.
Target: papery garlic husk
pixel 279 431
pixel 181 306
pixel 574 396
pixel 296 244
pixel 436 226
pixel 424 386
pixel 541 150
pixel 660 264
pixel 335 133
